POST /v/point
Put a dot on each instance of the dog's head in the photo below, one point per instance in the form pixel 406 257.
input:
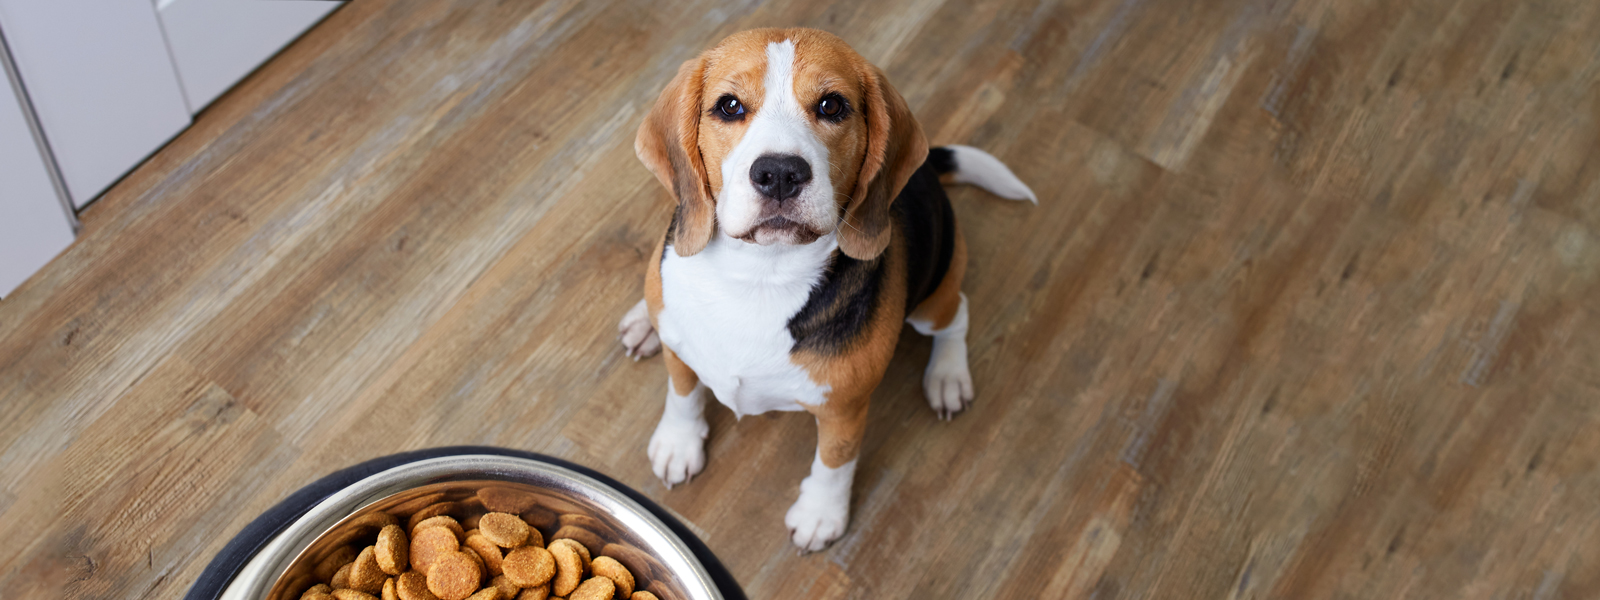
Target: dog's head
pixel 782 136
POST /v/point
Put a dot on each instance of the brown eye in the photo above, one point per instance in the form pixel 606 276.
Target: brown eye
pixel 832 107
pixel 729 108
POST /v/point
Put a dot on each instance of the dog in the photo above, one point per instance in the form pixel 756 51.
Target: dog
pixel 810 224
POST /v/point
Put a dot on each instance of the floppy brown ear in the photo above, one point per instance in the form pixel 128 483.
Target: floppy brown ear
pixel 669 145
pixel 895 148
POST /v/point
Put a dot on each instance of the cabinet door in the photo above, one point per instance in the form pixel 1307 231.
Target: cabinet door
pixel 101 83
pixel 216 43
pixel 33 223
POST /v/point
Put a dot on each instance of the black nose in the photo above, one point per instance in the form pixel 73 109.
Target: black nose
pixel 780 176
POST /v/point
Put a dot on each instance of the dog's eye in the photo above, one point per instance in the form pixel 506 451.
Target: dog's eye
pixel 832 107
pixel 729 107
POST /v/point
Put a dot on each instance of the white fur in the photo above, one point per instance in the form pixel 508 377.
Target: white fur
pixel 726 315
pixel 677 448
pixel 821 513
pixel 947 382
pixel 637 335
pixel 779 126
pixel 979 168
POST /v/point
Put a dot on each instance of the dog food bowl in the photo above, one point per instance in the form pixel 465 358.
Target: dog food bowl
pixel 664 557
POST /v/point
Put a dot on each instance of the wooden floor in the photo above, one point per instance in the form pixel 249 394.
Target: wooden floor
pixel 1310 306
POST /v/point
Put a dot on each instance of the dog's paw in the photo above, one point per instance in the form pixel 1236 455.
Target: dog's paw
pixel 677 450
pixel 816 520
pixel 638 336
pixel 948 384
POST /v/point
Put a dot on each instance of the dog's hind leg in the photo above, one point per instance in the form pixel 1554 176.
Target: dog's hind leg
pixel 947 382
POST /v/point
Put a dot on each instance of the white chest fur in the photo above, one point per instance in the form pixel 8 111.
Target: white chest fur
pixel 725 313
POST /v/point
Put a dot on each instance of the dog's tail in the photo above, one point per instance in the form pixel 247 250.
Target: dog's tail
pixel 966 164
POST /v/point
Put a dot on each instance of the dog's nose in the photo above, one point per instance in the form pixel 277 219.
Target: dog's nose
pixel 780 176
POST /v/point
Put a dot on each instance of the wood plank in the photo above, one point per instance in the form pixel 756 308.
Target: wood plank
pixel 1306 309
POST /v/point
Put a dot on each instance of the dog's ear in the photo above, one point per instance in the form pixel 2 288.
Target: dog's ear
pixel 669 145
pixel 895 148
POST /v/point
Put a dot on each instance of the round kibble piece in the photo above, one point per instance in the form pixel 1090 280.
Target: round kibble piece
pixel 321 588
pixel 445 521
pixel 583 552
pixel 643 595
pixel 569 568
pixel 365 576
pixel 330 564
pixel 353 595
pixel 609 568
pixel 535 538
pixel 429 544
pixel 596 588
pixel 488 593
pixel 388 590
pixel 454 576
pixel 505 530
pixel 472 554
pixel 507 589
pixel 488 551
pixel 412 585
pixel 535 593
pixel 393 550
pixel 529 566
pixel 341 578
pixel 591 543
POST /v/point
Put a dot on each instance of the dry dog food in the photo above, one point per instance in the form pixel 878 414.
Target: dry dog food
pixel 487 547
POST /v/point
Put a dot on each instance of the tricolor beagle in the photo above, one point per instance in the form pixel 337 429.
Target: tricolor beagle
pixel 810 224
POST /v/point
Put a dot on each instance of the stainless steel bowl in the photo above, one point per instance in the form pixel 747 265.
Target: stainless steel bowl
pixel 658 558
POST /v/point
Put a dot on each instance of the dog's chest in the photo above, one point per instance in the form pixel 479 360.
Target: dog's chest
pixel 725 313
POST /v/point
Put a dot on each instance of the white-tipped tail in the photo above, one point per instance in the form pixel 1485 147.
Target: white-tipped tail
pixel 979 168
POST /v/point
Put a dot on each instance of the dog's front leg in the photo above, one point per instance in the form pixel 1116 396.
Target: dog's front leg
pixel 822 512
pixel 677 448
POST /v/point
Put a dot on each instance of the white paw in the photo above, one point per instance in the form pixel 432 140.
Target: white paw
pixel 677 450
pixel 817 519
pixel 638 336
pixel 948 385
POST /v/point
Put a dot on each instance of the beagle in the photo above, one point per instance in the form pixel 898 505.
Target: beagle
pixel 810 223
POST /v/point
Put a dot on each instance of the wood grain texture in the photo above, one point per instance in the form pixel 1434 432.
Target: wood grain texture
pixel 1308 308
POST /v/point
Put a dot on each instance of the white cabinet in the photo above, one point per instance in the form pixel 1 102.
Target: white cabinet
pixel 34 225
pixel 215 43
pixel 105 83
pixel 101 82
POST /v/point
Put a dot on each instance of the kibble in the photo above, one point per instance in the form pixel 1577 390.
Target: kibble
pixel 609 568
pixel 505 530
pixel 488 547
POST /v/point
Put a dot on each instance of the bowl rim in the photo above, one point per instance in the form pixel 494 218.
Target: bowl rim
pixel 262 573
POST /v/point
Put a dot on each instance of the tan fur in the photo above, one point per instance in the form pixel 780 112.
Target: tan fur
pixel 682 377
pixel 940 307
pixel 896 146
pixel 668 145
